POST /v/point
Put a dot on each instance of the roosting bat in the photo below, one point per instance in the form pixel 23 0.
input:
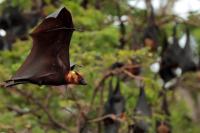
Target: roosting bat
pixel 170 58
pixel 48 62
pixel 151 32
pixel 115 105
pixel 142 109
pixel 187 61
pixel 142 106
pixel 174 57
pixel 163 126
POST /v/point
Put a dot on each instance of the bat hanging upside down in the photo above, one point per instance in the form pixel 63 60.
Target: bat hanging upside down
pixel 48 62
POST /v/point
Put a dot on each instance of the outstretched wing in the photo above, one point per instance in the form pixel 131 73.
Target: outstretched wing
pixel 48 60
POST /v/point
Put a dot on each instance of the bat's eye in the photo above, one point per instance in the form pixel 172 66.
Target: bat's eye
pixel 73 72
pixel 75 78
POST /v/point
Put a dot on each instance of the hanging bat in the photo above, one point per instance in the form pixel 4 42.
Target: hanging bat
pixel 48 62
pixel 115 105
pixel 170 58
pixel 152 31
pixel 163 126
pixel 142 109
pixel 187 62
pixel 142 106
pixel 174 57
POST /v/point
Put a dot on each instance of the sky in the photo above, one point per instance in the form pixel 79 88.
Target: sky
pixel 181 7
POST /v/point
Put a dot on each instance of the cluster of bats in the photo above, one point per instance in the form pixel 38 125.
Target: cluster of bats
pixel 13 21
pixel 116 105
pixel 48 64
pixel 13 25
pixel 176 57
pixel 173 58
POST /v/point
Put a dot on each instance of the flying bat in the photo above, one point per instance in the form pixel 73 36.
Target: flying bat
pixel 48 62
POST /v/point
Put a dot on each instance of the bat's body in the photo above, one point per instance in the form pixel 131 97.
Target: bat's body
pixel 115 105
pixel 163 126
pixel 174 57
pixel 48 62
pixel 152 31
pixel 142 109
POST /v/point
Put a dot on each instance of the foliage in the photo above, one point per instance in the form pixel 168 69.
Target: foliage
pixel 96 49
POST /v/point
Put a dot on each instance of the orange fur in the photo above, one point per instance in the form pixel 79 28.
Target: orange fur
pixel 73 77
pixel 163 128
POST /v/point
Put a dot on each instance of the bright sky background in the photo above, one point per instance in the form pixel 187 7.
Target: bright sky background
pixel 181 7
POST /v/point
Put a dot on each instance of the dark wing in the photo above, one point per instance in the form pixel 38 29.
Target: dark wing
pixel 142 109
pixel 142 106
pixel 187 63
pixel 48 60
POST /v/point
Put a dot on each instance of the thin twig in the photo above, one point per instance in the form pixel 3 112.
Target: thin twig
pixel 111 116
pixel 40 105
pixel 110 73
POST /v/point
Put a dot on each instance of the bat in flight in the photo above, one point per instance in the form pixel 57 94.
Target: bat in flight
pixel 48 62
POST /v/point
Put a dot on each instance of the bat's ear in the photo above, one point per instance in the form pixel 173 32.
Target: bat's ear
pixel 66 18
pixel 73 66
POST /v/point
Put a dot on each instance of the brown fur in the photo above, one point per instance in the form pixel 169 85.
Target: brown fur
pixel 163 128
pixel 73 77
pixel 150 43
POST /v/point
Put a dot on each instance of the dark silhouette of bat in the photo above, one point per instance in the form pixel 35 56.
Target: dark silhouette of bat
pixel 163 126
pixel 170 58
pixel 187 61
pixel 84 4
pixel 115 105
pixel 13 23
pixel 151 32
pixel 165 44
pixel 142 106
pixel 48 62
pixel 16 23
pixel 173 57
pixel 142 109
pixel 164 104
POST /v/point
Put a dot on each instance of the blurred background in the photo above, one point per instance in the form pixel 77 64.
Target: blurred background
pixel 140 59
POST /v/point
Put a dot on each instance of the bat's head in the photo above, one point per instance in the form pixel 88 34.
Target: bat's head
pixel 73 77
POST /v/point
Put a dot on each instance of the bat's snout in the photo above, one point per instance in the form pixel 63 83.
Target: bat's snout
pixel 82 82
